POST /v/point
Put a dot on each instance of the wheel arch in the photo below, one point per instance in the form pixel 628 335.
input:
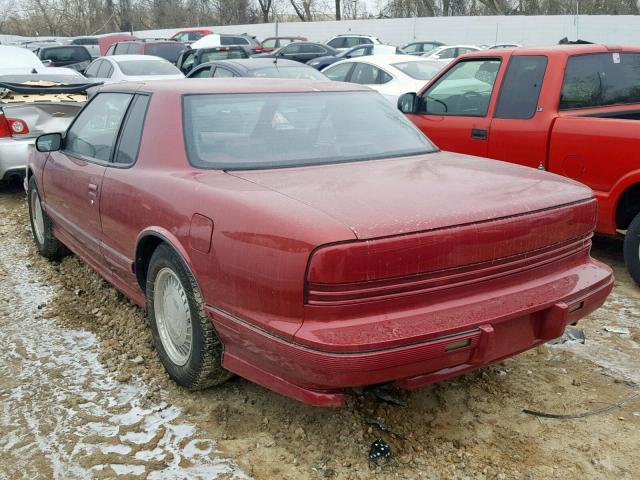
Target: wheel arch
pixel 147 243
pixel 628 205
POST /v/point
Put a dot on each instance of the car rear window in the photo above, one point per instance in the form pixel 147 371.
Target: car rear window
pixel 223 54
pixel 600 79
pixel 168 51
pixel 305 73
pixel 147 67
pixel 418 70
pixel 271 130
pixel 66 54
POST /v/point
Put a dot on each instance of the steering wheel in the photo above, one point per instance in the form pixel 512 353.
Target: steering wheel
pixel 471 97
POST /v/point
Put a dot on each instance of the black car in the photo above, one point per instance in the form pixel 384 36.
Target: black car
pixel 70 56
pixel 256 67
pixel 300 51
pixel 359 51
pixel 191 58
pixel 418 48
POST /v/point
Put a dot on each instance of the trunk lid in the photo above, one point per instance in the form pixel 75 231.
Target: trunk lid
pixel 390 197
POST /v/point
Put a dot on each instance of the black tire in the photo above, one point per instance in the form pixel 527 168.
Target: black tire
pixel 632 249
pixel 203 368
pixel 48 245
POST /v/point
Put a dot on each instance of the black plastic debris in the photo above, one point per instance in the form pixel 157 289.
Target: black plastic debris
pixel 380 452
pixel 388 394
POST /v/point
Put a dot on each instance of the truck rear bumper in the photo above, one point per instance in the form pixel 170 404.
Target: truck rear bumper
pixel 318 376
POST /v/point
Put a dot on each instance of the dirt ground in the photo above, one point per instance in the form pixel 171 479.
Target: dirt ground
pixel 83 395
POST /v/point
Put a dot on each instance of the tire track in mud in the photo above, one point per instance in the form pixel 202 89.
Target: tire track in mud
pixel 63 414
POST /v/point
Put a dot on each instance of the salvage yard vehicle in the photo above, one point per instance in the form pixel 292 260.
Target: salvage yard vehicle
pixel 359 51
pixel 391 75
pixel 132 68
pixel 168 49
pixel 300 52
pixel 349 40
pixel 270 44
pixel 571 110
pixel 192 57
pixel 420 48
pixel 32 104
pixel 256 67
pixel 190 35
pixel 449 52
pixel 306 236
pixel 76 57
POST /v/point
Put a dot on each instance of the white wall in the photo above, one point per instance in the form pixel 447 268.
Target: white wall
pixel 526 30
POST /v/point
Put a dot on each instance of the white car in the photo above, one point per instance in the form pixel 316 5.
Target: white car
pixel 131 68
pixel 34 99
pixel 449 52
pixel 391 75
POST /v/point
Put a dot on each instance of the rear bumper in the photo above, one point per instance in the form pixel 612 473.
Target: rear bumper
pixel 500 327
pixel 14 154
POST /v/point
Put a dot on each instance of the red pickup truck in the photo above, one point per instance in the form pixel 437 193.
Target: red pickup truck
pixel 570 110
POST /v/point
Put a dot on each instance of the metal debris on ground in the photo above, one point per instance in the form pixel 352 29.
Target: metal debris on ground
pixel 380 452
pixel 383 428
pixel 571 334
pixel 618 330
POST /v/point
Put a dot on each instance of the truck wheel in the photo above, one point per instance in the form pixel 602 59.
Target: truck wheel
pixel 41 227
pixel 184 337
pixel 632 249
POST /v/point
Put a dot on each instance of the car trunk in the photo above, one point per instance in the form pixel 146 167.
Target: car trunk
pixel 443 212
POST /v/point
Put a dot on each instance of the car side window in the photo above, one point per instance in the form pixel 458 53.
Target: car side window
pixel 339 73
pixel 312 49
pixel 94 131
pixel 129 143
pixel 415 48
pixel 204 72
pixel 352 42
pixel 337 42
pixel 521 87
pixel 120 48
pixel 366 41
pixel 92 70
pixel 106 69
pixel 223 73
pixel 464 90
pixel 188 61
pixel 383 77
pixel 270 43
pixel 364 74
pixel 111 50
pixel 447 53
pixel 135 49
pixel 359 52
pixel 465 50
pixel 292 48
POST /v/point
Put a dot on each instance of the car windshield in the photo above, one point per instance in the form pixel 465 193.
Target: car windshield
pixel 418 70
pixel 304 73
pixel 272 130
pixel 147 68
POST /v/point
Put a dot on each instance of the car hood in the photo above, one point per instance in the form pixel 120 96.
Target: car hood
pixel 380 198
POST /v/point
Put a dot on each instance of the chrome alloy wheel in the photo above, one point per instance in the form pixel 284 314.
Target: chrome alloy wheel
pixel 37 218
pixel 173 316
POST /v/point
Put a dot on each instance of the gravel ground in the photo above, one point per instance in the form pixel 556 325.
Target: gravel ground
pixel 83 395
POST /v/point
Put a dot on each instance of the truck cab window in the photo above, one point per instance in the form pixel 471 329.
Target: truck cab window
pixel 521 87
pixel 464 90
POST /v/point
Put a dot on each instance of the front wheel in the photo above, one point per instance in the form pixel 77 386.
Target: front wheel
pixel 632 249
pixel 42 227
pixel 184 337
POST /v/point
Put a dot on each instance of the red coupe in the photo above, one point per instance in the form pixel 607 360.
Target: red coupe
pixel 308 237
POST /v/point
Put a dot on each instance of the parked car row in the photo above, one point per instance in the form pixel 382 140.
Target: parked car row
pixel 345 253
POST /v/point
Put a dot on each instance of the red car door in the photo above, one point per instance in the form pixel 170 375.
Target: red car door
pixel 455 111
pixel 73 176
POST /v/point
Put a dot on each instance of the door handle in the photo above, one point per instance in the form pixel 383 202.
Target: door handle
pixel 478 134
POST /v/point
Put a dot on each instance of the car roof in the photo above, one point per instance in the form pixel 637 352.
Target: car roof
pixel 142 58
pixel 235 85
pixel 255 63
pixel 562 50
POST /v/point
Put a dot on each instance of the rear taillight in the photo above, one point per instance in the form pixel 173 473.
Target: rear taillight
pixel 5 131
pixel 17 126
pixel 260 49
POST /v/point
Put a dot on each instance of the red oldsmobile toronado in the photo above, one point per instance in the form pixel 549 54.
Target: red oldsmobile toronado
pixel 306 236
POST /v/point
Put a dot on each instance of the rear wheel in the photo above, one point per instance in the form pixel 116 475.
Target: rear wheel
pixel 41 227
pixel 184 337
pixel 632 249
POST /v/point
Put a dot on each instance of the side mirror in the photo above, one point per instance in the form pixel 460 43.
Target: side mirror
pixel 46 63
pixel 49 142
pixel 407 103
